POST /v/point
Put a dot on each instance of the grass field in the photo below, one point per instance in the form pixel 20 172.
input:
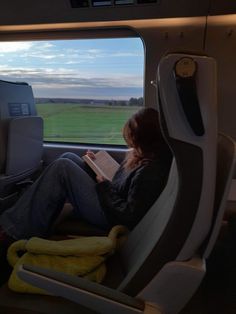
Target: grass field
pixel 64 122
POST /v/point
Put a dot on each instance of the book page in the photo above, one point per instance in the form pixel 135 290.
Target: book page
pixel 103 164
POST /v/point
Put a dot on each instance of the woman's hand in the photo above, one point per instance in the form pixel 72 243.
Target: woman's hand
pixel 100 179
pixel 90 154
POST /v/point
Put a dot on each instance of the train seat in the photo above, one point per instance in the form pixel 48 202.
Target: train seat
pixel 163 260
pixel 21 138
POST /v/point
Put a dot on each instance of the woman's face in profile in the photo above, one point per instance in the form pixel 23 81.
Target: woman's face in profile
pixel 128 133
pixel 128 140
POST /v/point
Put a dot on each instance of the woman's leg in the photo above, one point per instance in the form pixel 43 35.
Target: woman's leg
pixel 37 209
pixel 80 162
pixel 75 158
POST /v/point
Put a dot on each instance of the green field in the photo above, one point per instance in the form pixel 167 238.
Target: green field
pixel 78 123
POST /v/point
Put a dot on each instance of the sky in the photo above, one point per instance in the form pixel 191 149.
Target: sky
pixel 94 69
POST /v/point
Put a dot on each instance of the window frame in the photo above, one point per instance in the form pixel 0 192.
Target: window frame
pixel 76 34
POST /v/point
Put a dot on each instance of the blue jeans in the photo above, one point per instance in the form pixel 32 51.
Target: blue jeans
pixel 67 178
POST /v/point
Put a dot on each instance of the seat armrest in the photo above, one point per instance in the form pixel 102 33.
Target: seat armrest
pixel 89 294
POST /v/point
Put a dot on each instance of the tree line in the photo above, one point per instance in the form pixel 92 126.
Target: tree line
pixel 131 102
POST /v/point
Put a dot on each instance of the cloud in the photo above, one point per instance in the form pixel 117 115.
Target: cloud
pixel 57 53
pixel 69 83
pixel 126 54
pixel 73 62
pixel 6 47
pixel 71 77
pixel 45 45
pixel 28 49
pixel 40 55
pixel 99 54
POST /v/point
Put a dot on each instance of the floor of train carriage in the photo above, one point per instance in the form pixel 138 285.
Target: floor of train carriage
pixel 217 293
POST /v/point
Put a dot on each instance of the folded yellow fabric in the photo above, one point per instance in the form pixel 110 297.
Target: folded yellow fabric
pixel 84 256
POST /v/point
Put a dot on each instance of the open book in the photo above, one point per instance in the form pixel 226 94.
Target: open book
pixel 103 164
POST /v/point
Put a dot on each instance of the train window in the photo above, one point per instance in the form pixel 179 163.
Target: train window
pixel 84 89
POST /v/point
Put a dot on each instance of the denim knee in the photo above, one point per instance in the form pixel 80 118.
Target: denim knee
pixel 73 157
pixel 68 155
pixel 62 163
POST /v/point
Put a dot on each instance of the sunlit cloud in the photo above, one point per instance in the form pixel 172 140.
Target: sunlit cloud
pixel 70 82
pixel 6 47
pixel 45 45
pixel 98 54
pixel 40 55
pixel 73 62
pixel 126 54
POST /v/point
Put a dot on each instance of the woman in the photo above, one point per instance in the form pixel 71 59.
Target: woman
pixel 134 188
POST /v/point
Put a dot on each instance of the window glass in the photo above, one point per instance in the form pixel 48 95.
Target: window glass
pixel 85 90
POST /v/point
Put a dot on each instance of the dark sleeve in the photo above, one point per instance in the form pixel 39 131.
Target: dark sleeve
pixel 144 189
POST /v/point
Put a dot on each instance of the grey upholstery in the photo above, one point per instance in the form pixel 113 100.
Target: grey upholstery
pixel 179 222
pixel 21 137
pixel 25 142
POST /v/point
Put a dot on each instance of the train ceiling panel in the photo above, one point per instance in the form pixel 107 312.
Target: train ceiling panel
pixel 220 7
pixel 30 13
pixel 25 12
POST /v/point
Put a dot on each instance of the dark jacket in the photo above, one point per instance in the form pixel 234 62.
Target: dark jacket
pixel 129 196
